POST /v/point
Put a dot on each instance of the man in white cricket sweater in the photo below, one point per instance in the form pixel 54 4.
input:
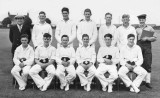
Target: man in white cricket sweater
pixel 65 27
pixel 108 27
pixel 45 55
pixel 123 31
pixel 87 26
pixel 108 57
pixel 131 59
pixel 23 60
pixel 65 58
pixel 40 29
pixel 86 57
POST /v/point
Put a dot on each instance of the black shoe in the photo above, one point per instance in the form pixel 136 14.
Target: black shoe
pixel 148 85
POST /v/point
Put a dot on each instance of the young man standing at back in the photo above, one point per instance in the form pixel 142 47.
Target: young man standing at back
pixel 87 26
pixel 105 29
pixel 123 31
pixel 40 29
pixel 65 27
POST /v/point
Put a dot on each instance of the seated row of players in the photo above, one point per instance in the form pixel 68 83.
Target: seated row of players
pixel 130 57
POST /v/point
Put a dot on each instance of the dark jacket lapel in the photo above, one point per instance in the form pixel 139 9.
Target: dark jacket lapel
pixel 17 29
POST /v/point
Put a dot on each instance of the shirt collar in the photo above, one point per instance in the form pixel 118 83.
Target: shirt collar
pixel 42 24
pixel 65 21
pixel 86 47
pixel 127 27
pixel 108 26
pixel 25 48
pixel 109 46
pixel 130 47
pixel 47 47
pixel 142 27
pixel 87 21
pixel 66 47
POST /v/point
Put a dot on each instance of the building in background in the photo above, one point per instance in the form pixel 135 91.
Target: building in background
pixel 10 20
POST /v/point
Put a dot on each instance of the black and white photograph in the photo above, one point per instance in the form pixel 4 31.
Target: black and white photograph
pixel 79 49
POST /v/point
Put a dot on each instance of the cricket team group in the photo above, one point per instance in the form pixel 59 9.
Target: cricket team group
pixel 123 45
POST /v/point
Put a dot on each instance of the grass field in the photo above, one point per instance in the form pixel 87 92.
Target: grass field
pixel 8 91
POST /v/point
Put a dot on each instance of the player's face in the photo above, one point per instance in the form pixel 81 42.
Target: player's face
pixel 87 15
pixel 125 20
pixel 108 18
pixel 46 40
pixel 85 40
pixel 131 41
pixel 65 41
pixel 108 41
pixel 65 15
pixel 42 17
pixel 142 21
pixel 24 41
pixel 20 21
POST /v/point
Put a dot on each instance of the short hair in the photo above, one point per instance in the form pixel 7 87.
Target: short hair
pixel 125 16
pixel 24 36
pixel 108 35
pixel 130 35
pixel 88 10
pixel 85 35
pixel 42 12
pixel 108 14
pixel 64 36
pixel 65 9
pixel 47 35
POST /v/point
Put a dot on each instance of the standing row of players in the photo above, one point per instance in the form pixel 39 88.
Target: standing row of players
pixel 88 27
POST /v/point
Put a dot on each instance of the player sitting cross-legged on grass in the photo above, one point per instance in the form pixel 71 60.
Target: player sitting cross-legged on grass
pixel 44 58
pixel 86 56
pixel 23 59
pixel 131 59
pixel 65 58
pixel 108 57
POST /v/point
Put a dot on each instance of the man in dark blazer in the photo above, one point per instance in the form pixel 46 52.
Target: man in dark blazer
pixel 17 30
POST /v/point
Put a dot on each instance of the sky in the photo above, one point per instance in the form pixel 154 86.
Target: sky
pixel 76 7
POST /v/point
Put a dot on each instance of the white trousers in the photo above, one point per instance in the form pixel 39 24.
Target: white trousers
pixel 83 79
pixel 147 78
pixel 21 79
pixel 34 73
pixel 141 72
pixel 102 69
pixel 71 74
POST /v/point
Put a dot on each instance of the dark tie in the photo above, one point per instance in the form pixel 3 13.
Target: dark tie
pixel 20 28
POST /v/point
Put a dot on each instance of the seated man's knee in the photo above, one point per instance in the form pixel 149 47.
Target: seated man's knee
pixel 52 73
pixel 78 71
pixel 13 71
pixel 114 75
pixel 144 72
pixel 141 71
pixel 58 72
pixel 120 73
pixel 25 72
pixel 74 74
pixel 97 73
pixel 32 72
